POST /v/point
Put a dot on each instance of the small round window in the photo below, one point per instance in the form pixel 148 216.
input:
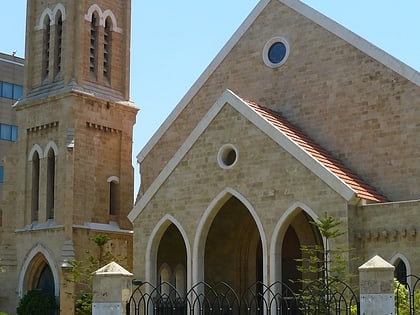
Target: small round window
pixel 227 156
pixel 275 52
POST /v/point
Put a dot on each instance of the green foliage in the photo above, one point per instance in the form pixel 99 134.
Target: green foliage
pixel 402 299
pixel 81 272
pixel 2 269
pixel 325 263
pixel 37 302
pixel 3 313
pixel 325 271
pixel 84 304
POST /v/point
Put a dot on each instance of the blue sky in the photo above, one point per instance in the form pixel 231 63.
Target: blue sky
pixel 174 41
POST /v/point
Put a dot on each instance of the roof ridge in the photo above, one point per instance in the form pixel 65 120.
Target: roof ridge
pixel 323 156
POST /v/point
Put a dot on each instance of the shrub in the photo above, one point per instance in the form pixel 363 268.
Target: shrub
pixel 37 302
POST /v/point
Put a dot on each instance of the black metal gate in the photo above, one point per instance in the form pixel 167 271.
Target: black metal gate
pixel 278 298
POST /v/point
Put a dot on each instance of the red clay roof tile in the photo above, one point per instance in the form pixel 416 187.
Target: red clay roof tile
pixel 362 189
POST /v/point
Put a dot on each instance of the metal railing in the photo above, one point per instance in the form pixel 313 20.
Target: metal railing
pixel 277 298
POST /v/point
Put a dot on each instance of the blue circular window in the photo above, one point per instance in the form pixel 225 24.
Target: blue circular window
pixel 277 52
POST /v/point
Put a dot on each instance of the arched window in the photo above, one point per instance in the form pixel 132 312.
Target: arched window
pixel 114 196
pixel 47 44
pixel 107 49
pixel 58 43
pixel 50 183
pixel 400 272
pixel 35 187
pixel 93 45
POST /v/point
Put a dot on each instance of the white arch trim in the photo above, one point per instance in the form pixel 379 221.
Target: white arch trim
pixel 39 249
pixel 114 179
pixel 102 17
pixel 51 145
pixel 153 245
pixel 399 256
pixel 280 230
pixel 204 226
pixel 35 148
pixel 52 15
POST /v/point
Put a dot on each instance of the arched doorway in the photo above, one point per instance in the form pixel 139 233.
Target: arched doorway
pixel 293 232
pixel 172 259
pixel 233 249
pixel 39 276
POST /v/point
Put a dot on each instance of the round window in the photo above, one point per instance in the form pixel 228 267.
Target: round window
pixel 227 156
pixel 275 52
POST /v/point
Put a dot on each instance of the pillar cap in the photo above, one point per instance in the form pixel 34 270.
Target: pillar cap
pixel 112 269
pixel 376 263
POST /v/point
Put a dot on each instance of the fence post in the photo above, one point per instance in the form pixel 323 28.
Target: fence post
pixel 111 290
pixel 376 278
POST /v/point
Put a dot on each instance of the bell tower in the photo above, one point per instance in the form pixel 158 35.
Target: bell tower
pixel 70 174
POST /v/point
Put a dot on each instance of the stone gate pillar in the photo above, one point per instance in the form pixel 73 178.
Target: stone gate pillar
pixel 111 290
pixel 376 278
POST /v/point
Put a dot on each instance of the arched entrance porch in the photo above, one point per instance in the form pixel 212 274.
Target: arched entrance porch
pixel 293 231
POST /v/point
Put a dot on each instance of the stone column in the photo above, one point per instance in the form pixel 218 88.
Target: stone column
pixel 111 290
pixel 377 287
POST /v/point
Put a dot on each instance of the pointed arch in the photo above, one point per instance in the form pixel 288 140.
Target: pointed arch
pixel 52 15
pixel 51 174
pixel 36 148
pixel 153 246
pixel 50 145
pixel 206 222
pixel 398 259
pixel 279 233
pixel 34 158
pixel 109 14
pixel 33 261
pixel 103 15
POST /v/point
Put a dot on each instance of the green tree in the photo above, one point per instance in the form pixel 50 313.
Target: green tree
pixel 324 268
pixel 81 272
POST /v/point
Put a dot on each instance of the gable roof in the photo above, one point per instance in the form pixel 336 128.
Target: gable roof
pixel 306 11
pixel 305 150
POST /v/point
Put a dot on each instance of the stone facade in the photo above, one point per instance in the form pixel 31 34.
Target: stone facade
pixel 69 176
pixel 196 219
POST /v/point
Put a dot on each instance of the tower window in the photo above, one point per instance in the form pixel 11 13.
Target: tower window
pixel 35 187
pixel 50 183
pixel 107 48
pixel 114 195
pixel 59 44
pixel 47 44
pixel 93 45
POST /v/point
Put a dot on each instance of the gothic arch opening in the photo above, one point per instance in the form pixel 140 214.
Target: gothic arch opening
pixel 58 43
pixel 172 259
pixel 402 268
pixel 51 169
pixel 47 46
pixel 107 50
pixel 294 230
pixel 39 276
pixel 233 248
pixel 35 186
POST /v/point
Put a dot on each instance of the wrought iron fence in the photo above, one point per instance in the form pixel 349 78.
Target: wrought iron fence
pixel 407 296
pixel 277 298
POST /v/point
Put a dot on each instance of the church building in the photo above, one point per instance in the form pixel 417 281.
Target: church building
pixel 295 118
pixel 69 176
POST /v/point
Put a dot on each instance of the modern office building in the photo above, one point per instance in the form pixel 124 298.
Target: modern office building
pixel 11 89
